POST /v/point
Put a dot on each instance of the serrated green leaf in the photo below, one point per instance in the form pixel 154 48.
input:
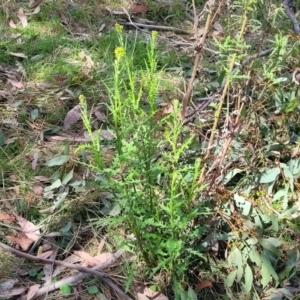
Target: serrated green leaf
pixel 57 161
pixel 270 175
pixel 68 177
pixel 56 184
pixel 248 279
pixel 65 290
pixel 230 278
pixel 93 289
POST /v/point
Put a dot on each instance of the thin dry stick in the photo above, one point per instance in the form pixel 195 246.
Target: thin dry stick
pixel 232 62
pixel 208 24
pixel 94 271
pixel 195 67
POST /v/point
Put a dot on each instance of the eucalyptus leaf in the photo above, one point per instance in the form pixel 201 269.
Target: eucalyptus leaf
pixel 255 256
pixel 68 177
pixel 240 273
pixel 60 199
pixel 192 295
pixel 248 279
pixel 56 184
pixel 34 113
pixel 57 161
pixel 267 265
pixel 265 275
pixel 115 210
pixel 294 165
pixel 235 258
pixel 267 245
pixel 270 175
pixel 230 278
pixel 231 174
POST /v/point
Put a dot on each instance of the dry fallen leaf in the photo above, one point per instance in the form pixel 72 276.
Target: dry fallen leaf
pixel 72 117
pixel 70 259
pixel 32 291
pixel 93 261
pixel 35 160
pixel 202 285
pixel 8 284
pixel 42 178
pixel 34 3
pixel 100 247
pixel 22 17
pixel 12 24
pixel 15 83
pixel 23 241
pixel 140 8
pixel 13 292
pixel 29 228
pixel 37 189
pixel 18 54
pixel 46 254
pixel 7 217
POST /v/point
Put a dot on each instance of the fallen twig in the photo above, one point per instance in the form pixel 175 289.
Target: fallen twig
pixel 85 271
pixel 290 14
pixel 155 27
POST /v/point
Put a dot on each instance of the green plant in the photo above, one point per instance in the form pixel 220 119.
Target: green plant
pixel 152 186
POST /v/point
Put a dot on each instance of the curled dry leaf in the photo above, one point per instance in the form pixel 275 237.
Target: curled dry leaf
pixel 37 189
pixel 18 54
pixel 93 261
pixel 72 117
pixel 31 231
pixel 12 24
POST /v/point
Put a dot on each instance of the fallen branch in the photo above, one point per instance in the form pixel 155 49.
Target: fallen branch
pixel 77 277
